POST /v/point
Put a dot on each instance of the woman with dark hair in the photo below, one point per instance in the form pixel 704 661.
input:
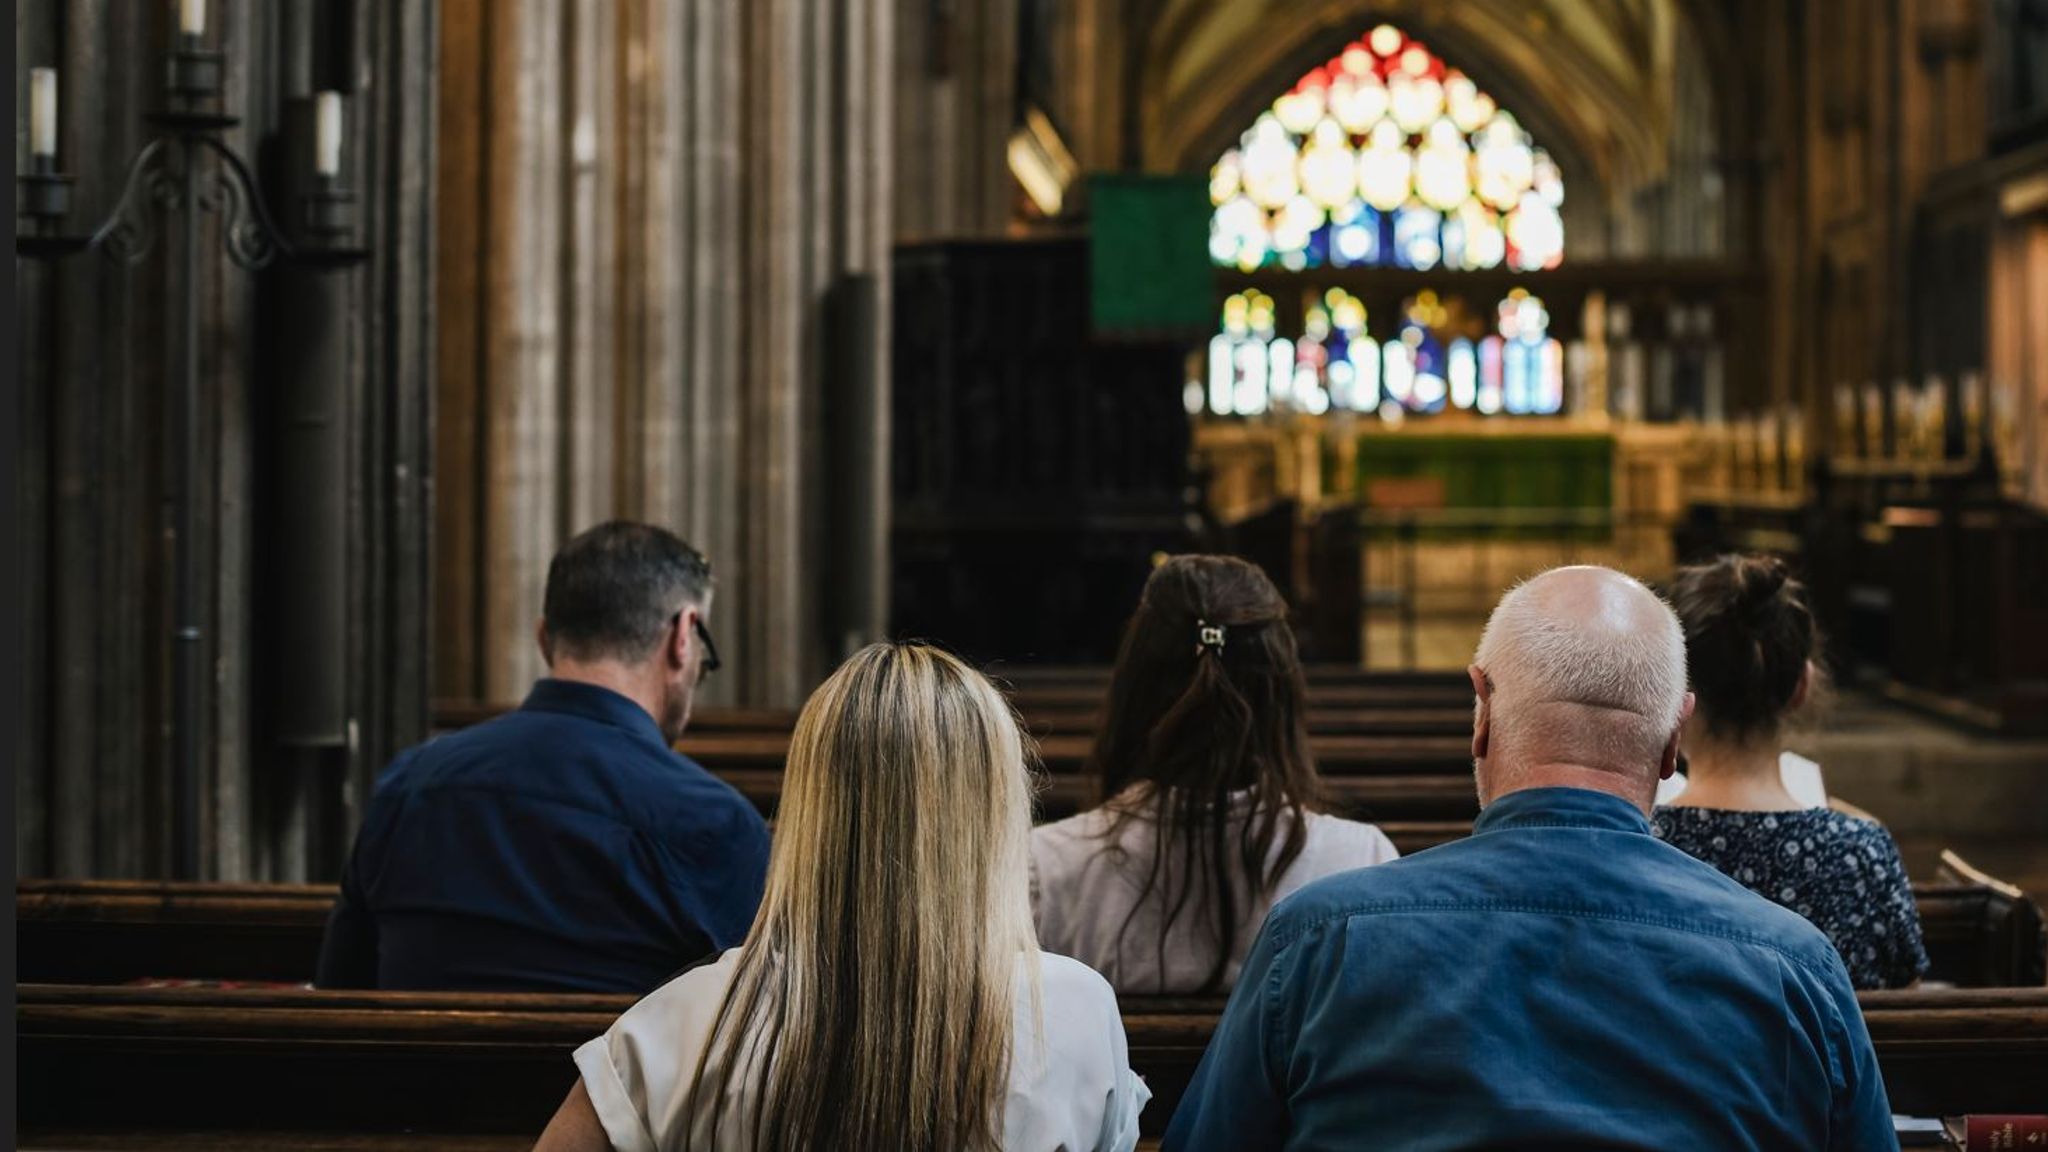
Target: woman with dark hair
pixel 1750 644
pixel 1212 799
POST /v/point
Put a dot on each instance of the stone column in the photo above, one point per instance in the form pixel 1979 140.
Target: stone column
pixel 955 92
pixel 670 193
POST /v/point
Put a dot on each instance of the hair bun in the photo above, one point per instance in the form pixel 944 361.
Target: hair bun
pixel 1761 579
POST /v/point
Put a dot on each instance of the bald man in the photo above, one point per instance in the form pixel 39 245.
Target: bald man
pixel 1560 979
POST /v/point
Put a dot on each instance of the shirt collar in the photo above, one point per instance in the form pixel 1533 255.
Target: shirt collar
pixel 593 702
pixel 1561 808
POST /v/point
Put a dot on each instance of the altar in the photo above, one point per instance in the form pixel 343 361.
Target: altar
pixel 1439 514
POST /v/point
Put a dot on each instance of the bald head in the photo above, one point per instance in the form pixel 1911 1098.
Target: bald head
pixel 1581 680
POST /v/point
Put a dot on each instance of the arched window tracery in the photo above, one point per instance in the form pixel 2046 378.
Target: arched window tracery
pixel 1385 156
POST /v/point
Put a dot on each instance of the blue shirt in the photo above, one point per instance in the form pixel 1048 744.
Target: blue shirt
pixel 560 847
pixel 1559 979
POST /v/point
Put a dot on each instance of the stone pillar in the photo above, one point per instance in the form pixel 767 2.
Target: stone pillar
pixel 955 92
pixel 670 192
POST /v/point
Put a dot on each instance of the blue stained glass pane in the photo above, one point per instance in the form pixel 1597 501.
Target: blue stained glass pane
pixel 1429 355
pixel 1319 246
pixel 1418 240
pixel 1515 394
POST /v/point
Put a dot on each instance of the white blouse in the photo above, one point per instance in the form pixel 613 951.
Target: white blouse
pixel 1082 893
pixel 1071 1084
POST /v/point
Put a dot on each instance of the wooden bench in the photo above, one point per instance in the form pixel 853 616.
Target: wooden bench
pixel 1988 932
pixel 1366 777
pixel 1069 702
pixel 1064 755
pixel 97 932
pixel 1052 720
pixel 1454 721
pixel 1942 1052
pixel 1033 675
pixel 184 1059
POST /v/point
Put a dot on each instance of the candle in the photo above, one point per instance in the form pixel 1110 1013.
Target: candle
pixel 327 134
pixel 42 111
pixel 192 17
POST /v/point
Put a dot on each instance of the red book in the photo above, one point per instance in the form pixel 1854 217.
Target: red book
pixel 1982 1133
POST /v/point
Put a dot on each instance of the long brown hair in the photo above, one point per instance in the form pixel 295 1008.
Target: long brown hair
pixel 872 1004
pixel 1208 700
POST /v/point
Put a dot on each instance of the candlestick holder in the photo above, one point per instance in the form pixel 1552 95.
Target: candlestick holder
pixel 328 220
pixel 169 177
pixel 45 202
pixel 195 71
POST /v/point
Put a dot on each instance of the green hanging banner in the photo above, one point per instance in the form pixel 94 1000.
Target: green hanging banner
pixel 1148 256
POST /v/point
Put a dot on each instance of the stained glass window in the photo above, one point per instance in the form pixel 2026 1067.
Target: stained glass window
pixel 1386 156
pixel 1443 356
pixel 1524 374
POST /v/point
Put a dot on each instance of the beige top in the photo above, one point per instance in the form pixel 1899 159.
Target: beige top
pixel 1082 893
pixel 1071 1085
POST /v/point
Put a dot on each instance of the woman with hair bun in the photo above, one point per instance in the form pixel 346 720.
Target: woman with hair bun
pixel 1750 646
pixel 1212 809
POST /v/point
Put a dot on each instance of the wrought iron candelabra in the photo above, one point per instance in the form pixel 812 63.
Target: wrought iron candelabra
pixel 169 178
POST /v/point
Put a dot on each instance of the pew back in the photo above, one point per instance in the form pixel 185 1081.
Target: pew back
pixel 102 932
pixel 439 1062
pixel 1071 718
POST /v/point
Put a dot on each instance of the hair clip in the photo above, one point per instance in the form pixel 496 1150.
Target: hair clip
pixel 1208 637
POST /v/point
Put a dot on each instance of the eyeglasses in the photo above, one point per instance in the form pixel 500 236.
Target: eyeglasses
pixel 709 664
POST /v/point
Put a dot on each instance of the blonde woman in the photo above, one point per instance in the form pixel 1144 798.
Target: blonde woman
pixel 891 993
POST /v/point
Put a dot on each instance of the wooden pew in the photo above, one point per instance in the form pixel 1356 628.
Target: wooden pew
pixel 1365 747
pixel 1031 675
pixel 115 1059
pixel 1995 933
pixel 1067 701
pixel 1064 755
pixel 111 931
pixel 1032 697
pixel 1056 719
pixel 1085 719
pixel 1367 777
pixel 94 932
pixel 1942 1052
pixel 1329 687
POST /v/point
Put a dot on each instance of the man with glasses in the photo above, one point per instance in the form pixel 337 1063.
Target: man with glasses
pixel 564 846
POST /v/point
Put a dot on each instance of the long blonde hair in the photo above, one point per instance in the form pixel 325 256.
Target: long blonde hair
pixel 873 999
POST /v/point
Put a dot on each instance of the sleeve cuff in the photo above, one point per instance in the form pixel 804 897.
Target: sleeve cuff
pixel 1126 1102
pixel 608 1096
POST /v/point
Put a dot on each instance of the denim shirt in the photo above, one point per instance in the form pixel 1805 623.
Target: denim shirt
pixel 561 847
pixel 1560 979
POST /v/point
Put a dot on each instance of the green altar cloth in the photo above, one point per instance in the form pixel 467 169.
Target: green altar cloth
pixel 1524 486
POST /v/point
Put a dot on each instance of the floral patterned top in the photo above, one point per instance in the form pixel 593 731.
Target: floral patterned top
pixel 1840 872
